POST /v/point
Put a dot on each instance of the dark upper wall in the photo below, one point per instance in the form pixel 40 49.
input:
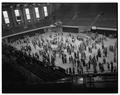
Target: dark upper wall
pixel 24 24
pixel 69 13
pixel 85 14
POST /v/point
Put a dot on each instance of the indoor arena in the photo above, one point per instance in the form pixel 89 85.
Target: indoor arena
pixel 59 48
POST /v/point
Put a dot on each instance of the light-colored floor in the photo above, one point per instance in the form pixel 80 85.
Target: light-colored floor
pixel 58 60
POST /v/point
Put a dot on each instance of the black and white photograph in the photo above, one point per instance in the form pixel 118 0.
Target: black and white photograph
pixel 59 47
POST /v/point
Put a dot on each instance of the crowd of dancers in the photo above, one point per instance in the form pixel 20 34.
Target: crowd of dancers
pixel 77 53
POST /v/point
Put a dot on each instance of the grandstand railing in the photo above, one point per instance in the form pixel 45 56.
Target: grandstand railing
pixel 74 29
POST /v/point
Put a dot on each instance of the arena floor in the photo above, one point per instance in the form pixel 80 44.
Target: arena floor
pixel 52 36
